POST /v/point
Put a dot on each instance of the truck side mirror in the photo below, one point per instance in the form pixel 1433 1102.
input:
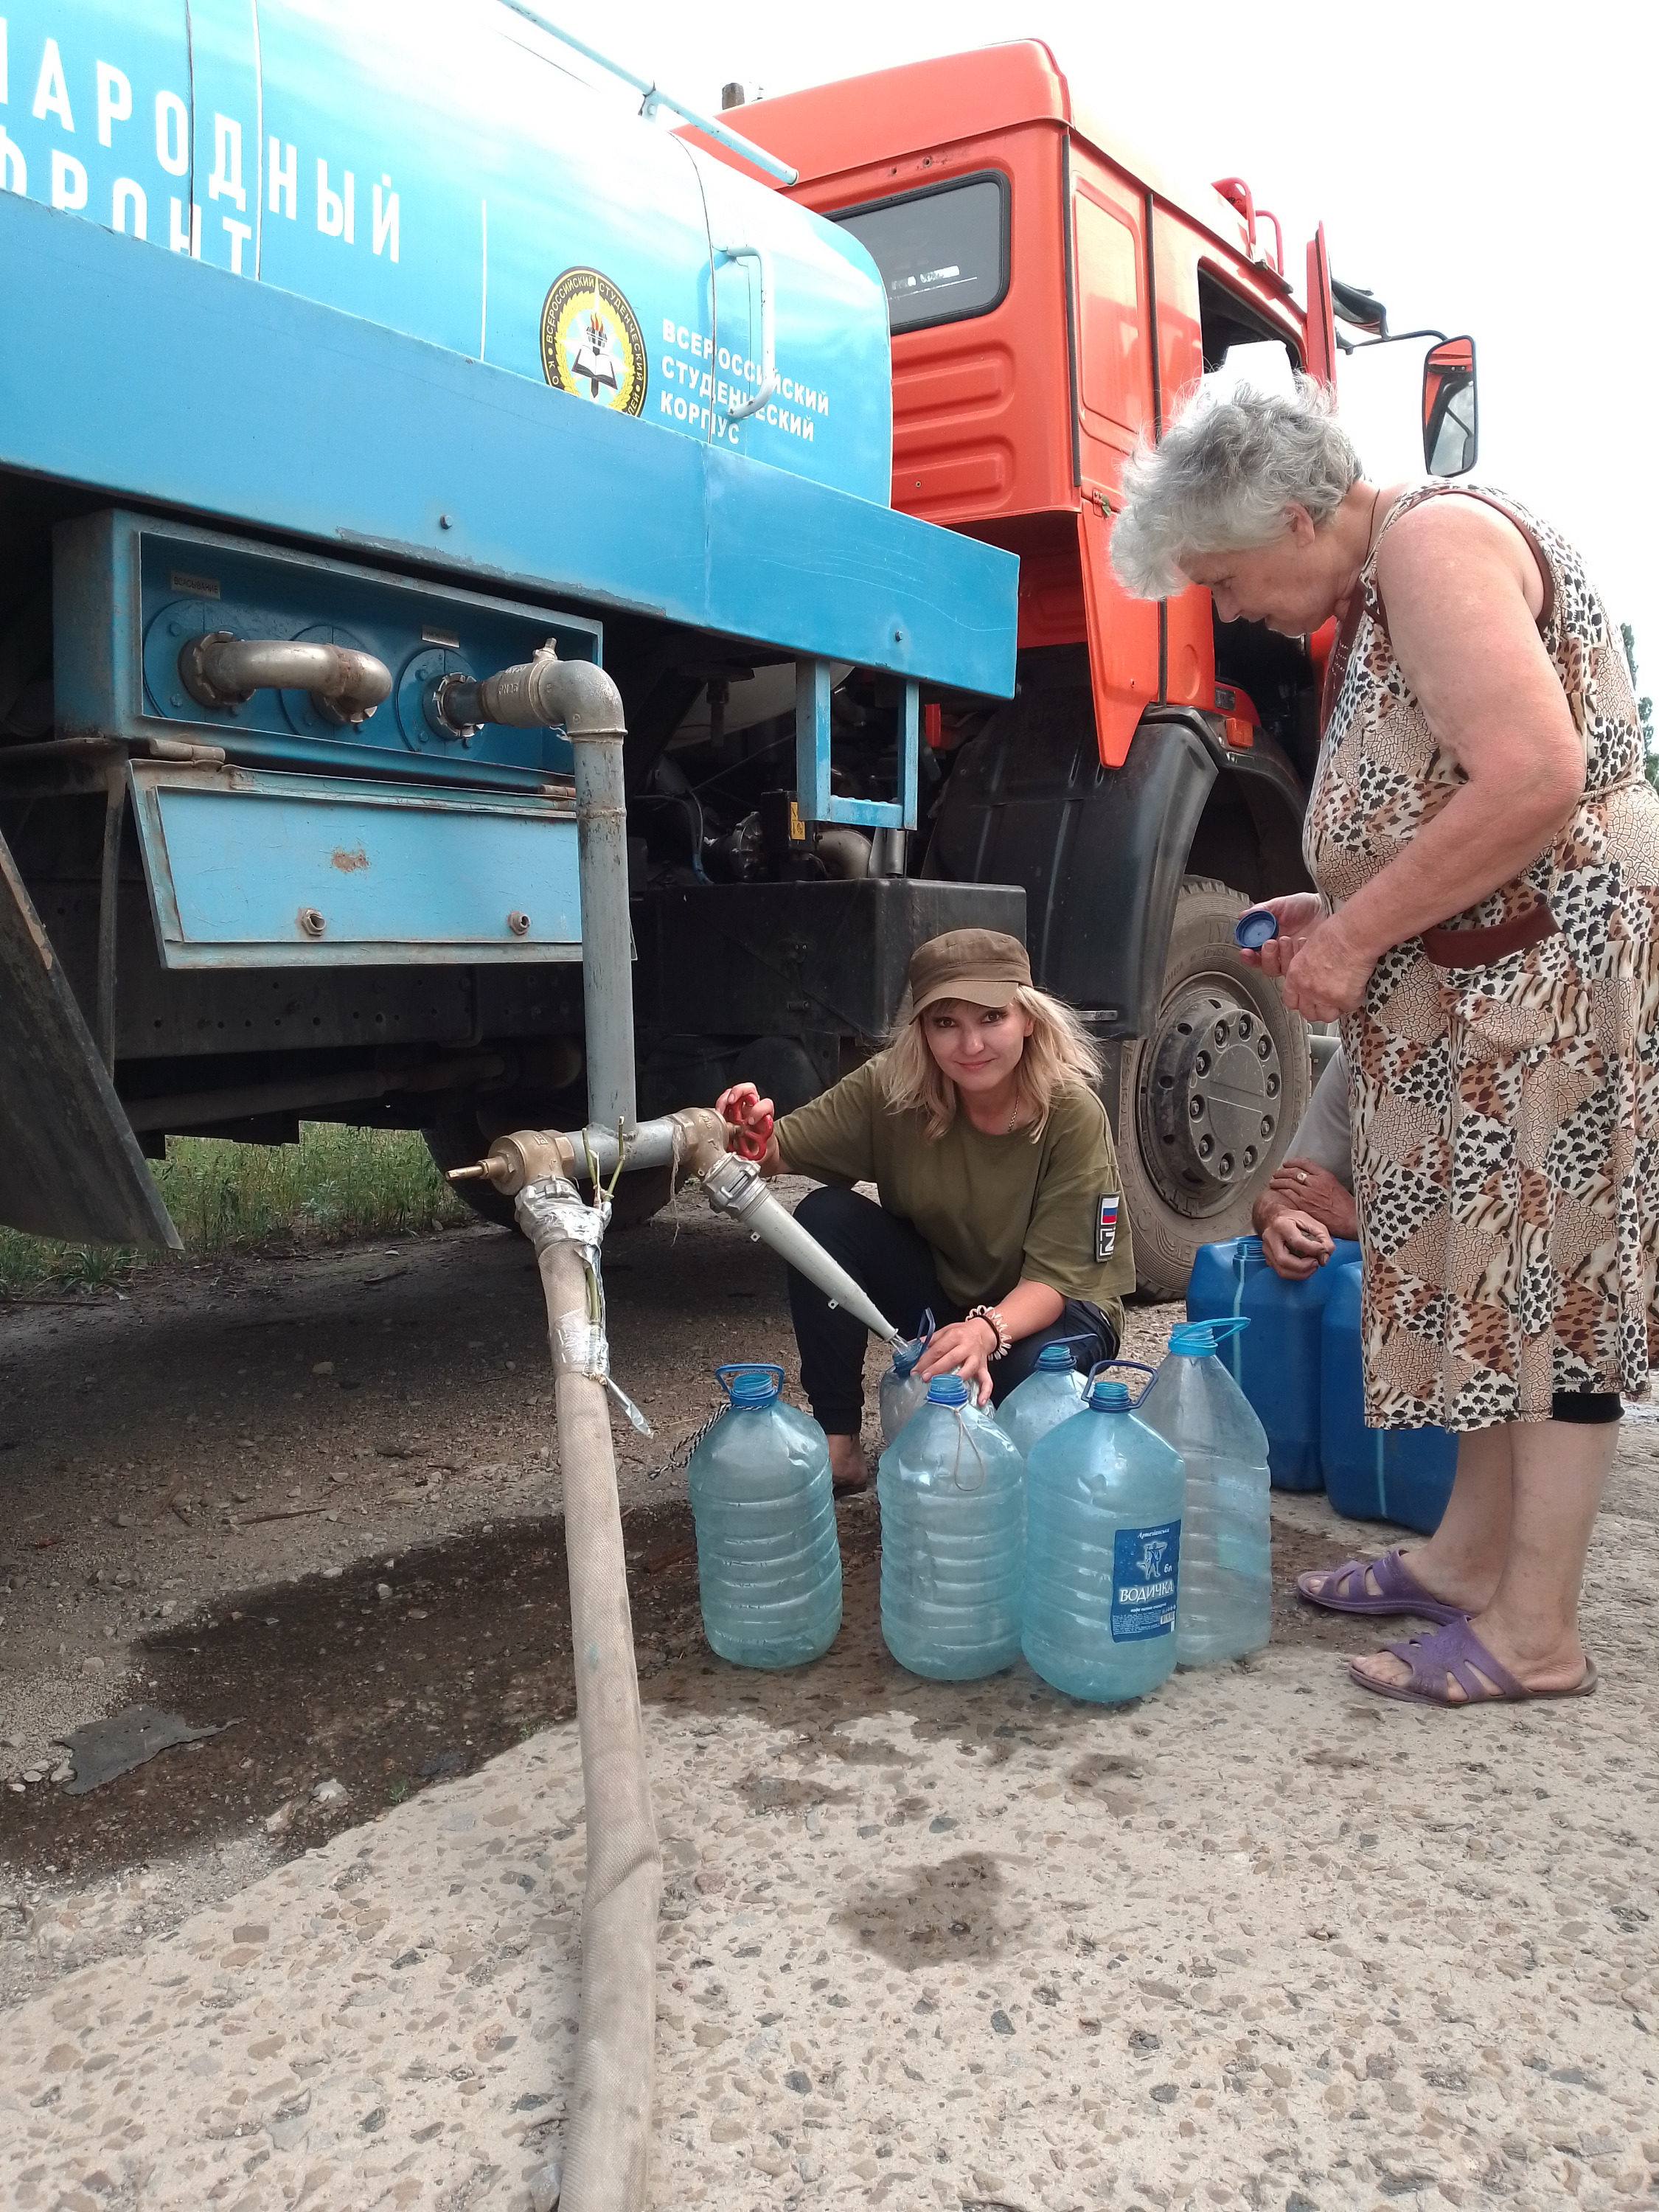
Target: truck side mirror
pixel 1451 418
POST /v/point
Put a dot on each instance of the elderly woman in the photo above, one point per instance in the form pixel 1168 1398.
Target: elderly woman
pixel 1486 852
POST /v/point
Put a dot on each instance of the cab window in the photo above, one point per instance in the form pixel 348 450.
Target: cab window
pixel 942 251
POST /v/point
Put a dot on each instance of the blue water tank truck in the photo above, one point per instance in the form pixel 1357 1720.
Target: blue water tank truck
pixel 361 360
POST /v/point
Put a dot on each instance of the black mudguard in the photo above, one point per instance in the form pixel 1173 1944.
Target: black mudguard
pixel 1100 851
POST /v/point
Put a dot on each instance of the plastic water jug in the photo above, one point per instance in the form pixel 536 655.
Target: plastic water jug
pixel 1104 1497
pixel 902 1388
pixel 1374 1475
pixel 952 1495
pixel 1051 1392
pixel 1226 1542
pixel 1275 1361
pixel 769 1561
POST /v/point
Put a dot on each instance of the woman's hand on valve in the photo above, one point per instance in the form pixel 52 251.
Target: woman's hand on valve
pixel 964 1348
pixel 750 1116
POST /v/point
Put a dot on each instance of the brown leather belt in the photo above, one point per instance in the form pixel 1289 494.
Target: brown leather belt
pixel 1478 948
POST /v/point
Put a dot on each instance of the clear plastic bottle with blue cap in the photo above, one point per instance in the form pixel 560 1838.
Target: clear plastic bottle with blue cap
pixel 902 1388
pixel 952 1490
pixel 1403 1475
pixel 1277 1361
pixel 1104 1499
pixel 1051 1392
pixel 1226 1537
pixel 769 1561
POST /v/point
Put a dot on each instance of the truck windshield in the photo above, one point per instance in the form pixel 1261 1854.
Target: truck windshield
pixel 943 252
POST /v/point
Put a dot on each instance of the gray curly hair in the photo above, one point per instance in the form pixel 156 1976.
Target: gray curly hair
pixel 1221 477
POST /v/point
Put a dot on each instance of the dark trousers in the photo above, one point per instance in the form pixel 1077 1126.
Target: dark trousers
pixel 893 1263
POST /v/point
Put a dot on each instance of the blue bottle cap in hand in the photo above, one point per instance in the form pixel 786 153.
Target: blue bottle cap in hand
pixel 1252 930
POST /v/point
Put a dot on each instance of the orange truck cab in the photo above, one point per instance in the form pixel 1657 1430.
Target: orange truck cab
pixel 1051 298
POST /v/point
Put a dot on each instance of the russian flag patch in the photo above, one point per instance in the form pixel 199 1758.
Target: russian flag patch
pixel 1106 1226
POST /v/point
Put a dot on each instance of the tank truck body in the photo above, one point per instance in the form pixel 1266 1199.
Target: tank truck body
pixel 1052 297
pixel 354 353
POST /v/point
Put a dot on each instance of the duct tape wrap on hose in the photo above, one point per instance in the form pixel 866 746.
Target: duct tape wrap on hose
pixel 552 1212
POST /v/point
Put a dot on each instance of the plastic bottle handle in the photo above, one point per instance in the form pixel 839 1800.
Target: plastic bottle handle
pixel 1100 1366
pixel 749 1367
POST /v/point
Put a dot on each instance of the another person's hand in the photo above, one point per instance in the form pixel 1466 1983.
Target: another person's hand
pixel 964 1348
pixel 751 1117
pixel 1295 1245
pixel 1306 1188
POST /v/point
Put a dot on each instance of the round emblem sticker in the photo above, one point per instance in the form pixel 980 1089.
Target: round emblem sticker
pixel 591 342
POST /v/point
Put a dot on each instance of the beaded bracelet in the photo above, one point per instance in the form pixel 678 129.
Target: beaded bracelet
pixel 991 1314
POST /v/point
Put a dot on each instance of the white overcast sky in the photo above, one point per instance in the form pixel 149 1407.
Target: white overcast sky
pixel 1483 167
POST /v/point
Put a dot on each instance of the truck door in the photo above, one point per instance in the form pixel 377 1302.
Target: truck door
pixel 1113 406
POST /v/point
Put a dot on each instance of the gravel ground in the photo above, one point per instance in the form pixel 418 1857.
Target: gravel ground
pixel 1257 1941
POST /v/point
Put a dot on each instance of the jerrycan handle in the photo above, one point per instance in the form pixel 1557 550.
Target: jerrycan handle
pixel 726 1377
pixel 1100 1366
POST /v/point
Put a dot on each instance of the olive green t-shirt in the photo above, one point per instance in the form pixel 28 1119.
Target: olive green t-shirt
pixel 996 1210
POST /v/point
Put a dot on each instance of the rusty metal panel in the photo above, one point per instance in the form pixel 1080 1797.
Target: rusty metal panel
pixel 70 1165
pixel 256 868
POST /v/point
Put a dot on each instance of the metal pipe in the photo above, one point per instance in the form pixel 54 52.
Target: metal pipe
pixel 655 97
pixel 218 670
pixel 530 696
pixel 735 1187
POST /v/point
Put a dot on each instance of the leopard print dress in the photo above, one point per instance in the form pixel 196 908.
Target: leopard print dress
pixel 1505 1118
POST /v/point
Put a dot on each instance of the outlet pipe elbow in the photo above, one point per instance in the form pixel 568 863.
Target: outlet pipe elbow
pixel 218 670
pixel 543 693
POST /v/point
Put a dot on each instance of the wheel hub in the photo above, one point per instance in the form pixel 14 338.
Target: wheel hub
pixel 1210 1100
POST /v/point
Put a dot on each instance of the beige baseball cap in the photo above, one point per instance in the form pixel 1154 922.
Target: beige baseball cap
pixel 981 965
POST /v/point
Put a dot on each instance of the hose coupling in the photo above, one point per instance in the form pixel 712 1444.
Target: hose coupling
pixel 524 697
pixel 515 1162
pixel 733 1185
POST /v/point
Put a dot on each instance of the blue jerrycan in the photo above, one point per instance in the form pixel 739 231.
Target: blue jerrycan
pixel 1051 1392
pixel 1275 1361
pixel 902 1388
pixel 1374 1475
pixel 1105 1496
pixel 1225 1607
pixel 952 1490
pixel 769 1562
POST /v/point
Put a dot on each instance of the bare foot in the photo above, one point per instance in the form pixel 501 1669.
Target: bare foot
pixel 849 1470
pixel 1537 1663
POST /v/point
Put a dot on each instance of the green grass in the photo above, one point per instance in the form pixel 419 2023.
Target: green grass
pixel 334 1185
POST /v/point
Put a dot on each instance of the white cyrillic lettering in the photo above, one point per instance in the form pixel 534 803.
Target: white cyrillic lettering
pixel 386 219
pixel 705 385
pixel 331 214
pixel 14 169
pixel 349 190
pixel 51 93
pixel 824 403
pixel 668 330
pixel 226 182
pixel 177 239
pixel 172 134
pixel 724 358
pixel 666 402
pixel 807 427
pixel 771 410
pixel 681 337
pixel 129 195
pixel 240 234
pixel 114 100
pixel 283 176
pixel 68 181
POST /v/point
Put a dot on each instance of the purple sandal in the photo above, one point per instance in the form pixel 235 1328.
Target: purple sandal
pixel 1398 1589
pixel 1457 1651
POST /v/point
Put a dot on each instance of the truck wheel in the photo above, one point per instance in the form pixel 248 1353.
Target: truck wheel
pixel 459 1139
pixel 1208 1102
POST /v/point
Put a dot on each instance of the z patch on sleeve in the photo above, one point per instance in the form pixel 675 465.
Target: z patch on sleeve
pixel 1106 1226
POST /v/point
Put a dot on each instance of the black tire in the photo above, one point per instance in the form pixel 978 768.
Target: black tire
pixel 459 1139
pixel 1226 1067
